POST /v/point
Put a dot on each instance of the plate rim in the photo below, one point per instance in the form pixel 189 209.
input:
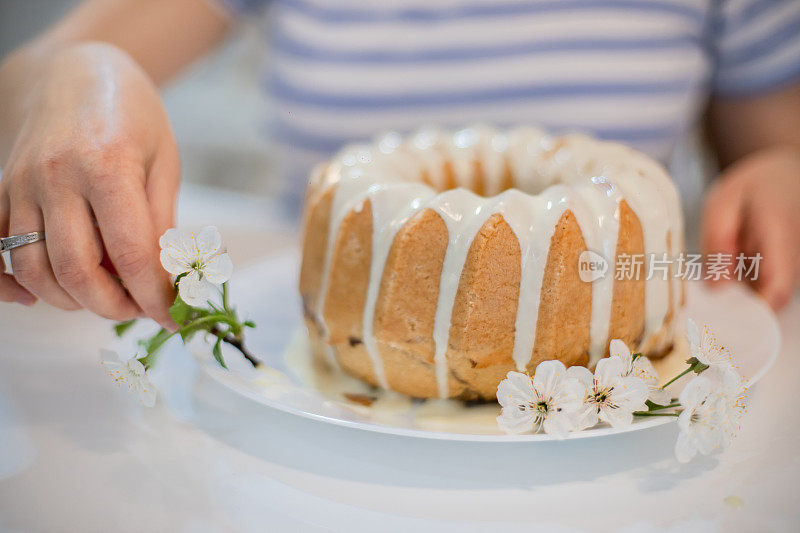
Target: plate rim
pixel 221 376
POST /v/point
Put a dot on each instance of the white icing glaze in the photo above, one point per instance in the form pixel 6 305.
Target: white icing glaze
pixel 550 175
pixel 464 213
pixel 602 198
pixel 533 220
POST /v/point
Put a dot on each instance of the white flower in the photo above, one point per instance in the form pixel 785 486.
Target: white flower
pixel 611 396
pixel 548 401
pixel 705 347
pixel 713 404
pixel 130 373
pixel 641 368
pixel 200 257
pixel 730 394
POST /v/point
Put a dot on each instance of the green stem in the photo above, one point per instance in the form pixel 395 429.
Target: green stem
pixel 225 296
pixel 238 343
pixel 648 413
pixel 676 378
pixel 660 407
pixel 161 338
pixel 211 319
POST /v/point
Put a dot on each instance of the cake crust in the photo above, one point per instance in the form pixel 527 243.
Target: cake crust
pixel 335 281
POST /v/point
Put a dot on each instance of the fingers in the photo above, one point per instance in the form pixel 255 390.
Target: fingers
pixel 777 285
pixel 129 235
pixel 754 209
pixel 75 253
pixel 30 263
pixel 722 219
pixel 10 290
pixel 162 186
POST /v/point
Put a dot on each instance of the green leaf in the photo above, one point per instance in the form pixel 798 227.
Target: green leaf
pixel 653 406
pixel 156 341
pixel 249 324
pixel 196 320
pixel 217 351
pixel 121 327
pixel 180 311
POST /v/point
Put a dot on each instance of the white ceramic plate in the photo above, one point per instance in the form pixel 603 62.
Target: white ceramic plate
pixel 266 293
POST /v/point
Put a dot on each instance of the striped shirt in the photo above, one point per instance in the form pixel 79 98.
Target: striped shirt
pixel 635 71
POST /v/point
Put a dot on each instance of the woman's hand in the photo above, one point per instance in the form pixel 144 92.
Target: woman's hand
pixel 755 208
pixel 96 167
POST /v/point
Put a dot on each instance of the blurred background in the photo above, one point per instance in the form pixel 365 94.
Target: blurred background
pixel 218 114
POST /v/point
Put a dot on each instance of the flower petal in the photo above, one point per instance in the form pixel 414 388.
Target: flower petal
pixel 693 336
pixel 146 392
pixel 209 243
pixel 659 396
pixel 516 389
pixel 630 394
pixel 178 251
pixel 725 378
pixel 135 367
pixel 109 356
pixel 558 425
pixel 607 370
pixel 194 290
pixel 571 396
pixel 586 417
pixel 218 269
pixel 695 392
pixel 548 375
pixel 515 420
pixel 644 369
pixel 618 418
pixel 619 349
pixel 684 448
pixel 173 264
pixel 582 374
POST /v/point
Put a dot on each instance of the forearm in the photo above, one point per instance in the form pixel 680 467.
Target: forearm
pixel 744 126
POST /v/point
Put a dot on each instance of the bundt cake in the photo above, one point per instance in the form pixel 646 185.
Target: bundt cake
pixel 434 264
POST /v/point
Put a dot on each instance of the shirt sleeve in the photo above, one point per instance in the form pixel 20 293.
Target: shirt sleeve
pixel 243 7
pixel 756 45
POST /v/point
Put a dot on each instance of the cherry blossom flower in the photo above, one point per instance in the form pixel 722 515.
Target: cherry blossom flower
pixel 641 368
pixel 200 258
pixel 705 347
pixel 549 401
pixel 699 431
pixel 611 395
pixel 131 374
pixel 713 404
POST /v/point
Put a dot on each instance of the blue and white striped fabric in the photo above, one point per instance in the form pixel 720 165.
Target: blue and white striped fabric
pixel 636 71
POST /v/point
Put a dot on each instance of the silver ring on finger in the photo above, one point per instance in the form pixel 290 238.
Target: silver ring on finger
pixel 15 241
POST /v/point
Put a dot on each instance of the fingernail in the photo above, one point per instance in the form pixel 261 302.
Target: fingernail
pixel 26 299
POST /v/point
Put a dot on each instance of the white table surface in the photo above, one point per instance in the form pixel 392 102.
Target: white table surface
pixel 77 454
